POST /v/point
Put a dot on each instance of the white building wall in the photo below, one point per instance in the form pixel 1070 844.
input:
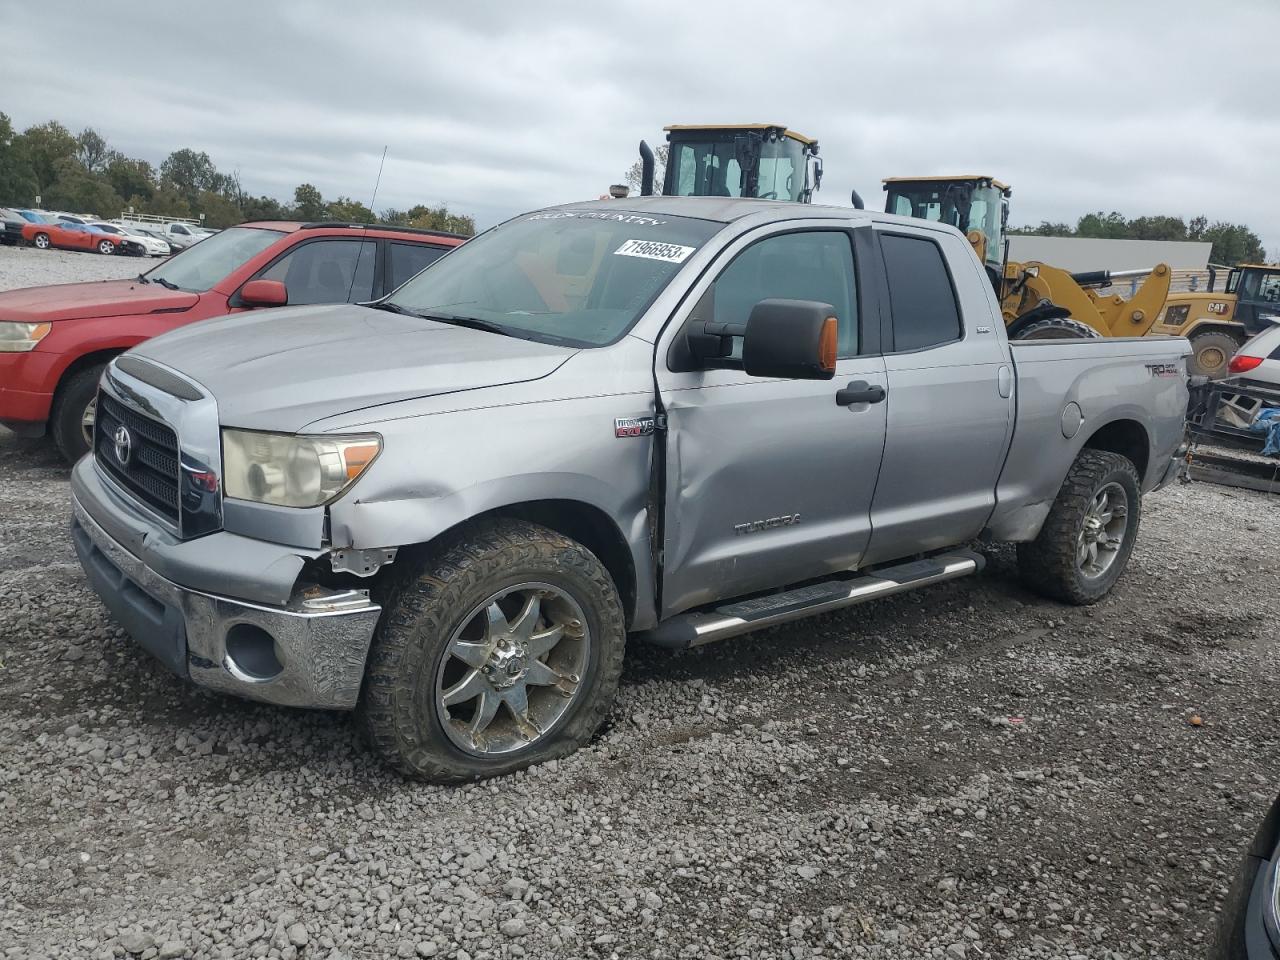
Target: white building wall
pixel 1080 253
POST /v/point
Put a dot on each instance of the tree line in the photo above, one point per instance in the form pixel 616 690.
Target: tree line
pixel 1233 243
pixel 82 173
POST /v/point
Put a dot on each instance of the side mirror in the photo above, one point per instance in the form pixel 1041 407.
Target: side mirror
pixel 791 338
pixel 264 293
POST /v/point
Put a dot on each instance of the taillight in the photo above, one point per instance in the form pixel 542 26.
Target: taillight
pixel 1240 363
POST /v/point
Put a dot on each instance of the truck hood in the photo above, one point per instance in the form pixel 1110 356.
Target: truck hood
pixel 287 367
pixel 104 298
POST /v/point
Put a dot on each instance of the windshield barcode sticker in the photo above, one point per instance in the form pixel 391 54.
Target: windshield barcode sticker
pixel 653 250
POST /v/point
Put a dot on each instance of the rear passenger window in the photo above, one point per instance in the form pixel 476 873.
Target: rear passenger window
pixel 408 258
pixel 925 312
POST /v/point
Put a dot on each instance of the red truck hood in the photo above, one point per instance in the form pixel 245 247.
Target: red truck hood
pixel 104 298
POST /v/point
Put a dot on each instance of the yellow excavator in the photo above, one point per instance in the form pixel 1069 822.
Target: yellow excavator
pixel 1039 301
pixel 1218 322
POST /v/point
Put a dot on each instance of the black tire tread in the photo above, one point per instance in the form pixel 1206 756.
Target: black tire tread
pixel 422 597
pixel 1078 329
pixel 64 422
pixel 1048 563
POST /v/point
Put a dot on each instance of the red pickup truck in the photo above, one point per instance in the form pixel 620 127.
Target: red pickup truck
pixel 55 341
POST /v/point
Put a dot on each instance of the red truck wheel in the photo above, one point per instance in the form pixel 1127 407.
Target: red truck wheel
pixel 74 411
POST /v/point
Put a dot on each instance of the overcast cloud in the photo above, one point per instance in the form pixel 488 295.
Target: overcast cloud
pixel 494 108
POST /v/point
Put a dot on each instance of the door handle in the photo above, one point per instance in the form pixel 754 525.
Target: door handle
pixel 859 392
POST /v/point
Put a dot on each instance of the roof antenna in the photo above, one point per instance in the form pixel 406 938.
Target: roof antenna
pixel 372 200
pixel 377 182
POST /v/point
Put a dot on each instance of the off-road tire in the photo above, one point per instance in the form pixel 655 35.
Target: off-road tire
pixel 1229 935
pixel 1048 563
pixel 1226 344
pixel 74 394
pixel 1057 328
pixel 425 602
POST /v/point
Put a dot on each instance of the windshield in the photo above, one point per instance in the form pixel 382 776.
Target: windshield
pixel 566 276
pixel 200 266
pixel 781 170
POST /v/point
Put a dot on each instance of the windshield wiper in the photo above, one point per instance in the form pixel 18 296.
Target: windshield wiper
pixel 392 308
pixel 142 278
pixel 165 283
pixel 475 323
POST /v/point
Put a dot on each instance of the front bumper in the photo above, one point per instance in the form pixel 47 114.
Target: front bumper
pixel 309 652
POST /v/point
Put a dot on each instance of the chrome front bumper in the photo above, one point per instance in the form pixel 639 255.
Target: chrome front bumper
pixel 308 653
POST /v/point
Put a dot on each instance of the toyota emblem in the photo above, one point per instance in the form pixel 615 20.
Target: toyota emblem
pixel 123 445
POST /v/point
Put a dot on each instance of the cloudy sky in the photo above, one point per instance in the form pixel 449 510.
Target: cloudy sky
pixel 495 107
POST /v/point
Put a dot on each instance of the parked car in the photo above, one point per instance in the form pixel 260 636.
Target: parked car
pixel 55 341
pixel 11 224
pixel 68 235
pixel 1258 361
pixel 1249 924
pixel 135 242
pixel 154 235
pixel 685 418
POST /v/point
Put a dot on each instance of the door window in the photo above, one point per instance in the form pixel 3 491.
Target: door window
pixel 925 312
pixel 408 258
pixel 816 265
pixel 326 271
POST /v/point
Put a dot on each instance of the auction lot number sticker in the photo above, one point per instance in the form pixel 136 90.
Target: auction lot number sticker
pixel 655 250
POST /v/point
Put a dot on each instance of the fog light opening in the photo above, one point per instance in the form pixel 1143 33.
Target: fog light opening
pixel 252 654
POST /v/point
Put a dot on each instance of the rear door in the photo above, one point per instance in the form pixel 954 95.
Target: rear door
pixel 769 482
pixel 950 407
pixel 405 259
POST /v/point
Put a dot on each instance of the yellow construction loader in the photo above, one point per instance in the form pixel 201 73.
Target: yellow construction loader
pixel 1218 322
pixel 1039 301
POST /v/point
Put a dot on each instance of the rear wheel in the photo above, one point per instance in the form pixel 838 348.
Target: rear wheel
pixel 501 650
pixel 41 241
pixel 74 411
pixel 1085 543
pixel 1057 328
pixel 1210 354
pixel 106 247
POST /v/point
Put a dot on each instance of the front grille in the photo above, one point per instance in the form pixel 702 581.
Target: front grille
pixel 150 472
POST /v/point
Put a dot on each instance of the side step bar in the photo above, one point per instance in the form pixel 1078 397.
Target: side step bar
pixel 695 628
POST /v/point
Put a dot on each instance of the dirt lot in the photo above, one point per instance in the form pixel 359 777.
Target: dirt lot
pixel 965 772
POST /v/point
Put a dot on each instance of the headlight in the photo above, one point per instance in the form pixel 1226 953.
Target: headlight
pixel 293 471
pixel 21 337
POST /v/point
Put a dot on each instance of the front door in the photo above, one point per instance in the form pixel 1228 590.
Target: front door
pixel 769 482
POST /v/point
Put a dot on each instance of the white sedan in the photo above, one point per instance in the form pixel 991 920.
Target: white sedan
pixel 152 246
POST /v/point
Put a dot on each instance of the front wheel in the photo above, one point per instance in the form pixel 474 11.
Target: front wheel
pixel 1085 543
pixel 74 412
pixel 501 650
pixel 106 247
pixel 41 241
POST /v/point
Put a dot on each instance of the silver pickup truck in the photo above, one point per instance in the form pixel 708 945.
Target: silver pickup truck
pixel 680 419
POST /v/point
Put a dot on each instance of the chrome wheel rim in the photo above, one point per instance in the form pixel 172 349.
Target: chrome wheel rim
pixel 105 247
pixel 1102 534
pixel 513 670
pixel 87 419
pixel 42 241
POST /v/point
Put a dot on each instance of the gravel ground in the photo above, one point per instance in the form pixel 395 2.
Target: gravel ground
pixel 964 772
pixel 29 267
